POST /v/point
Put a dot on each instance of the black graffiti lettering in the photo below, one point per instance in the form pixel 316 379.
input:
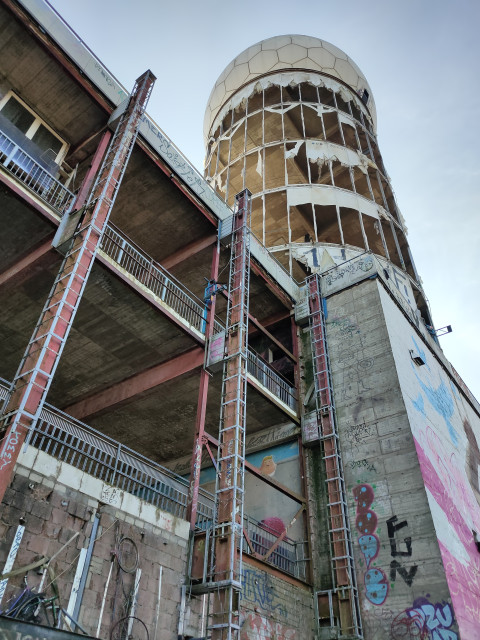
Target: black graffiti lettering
pixel 392 528
pixel 407 576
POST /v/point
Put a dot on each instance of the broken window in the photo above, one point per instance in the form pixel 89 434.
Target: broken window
pixel 254 171
pixel 309 92
pixel 405 251
pixel 290 93
pixel 257 218
pixel 332 128
pixel 320 171
pixel 362 137
pixel 326 220
pixel 377 194
pixel 276 223
pixel 361 184
pixel 254 131
pixel 349 136
pixel 292 122
pixel 238 142
pixel 376 155
pixel 389 198
pixel 274 167
pixel 235 180
pixel 297 166
pixel 351 227
pixel 341 176
pixel 255 101
pixel 301 222
pixel 223 148
pixel 227 122
pixel 390 242
pixel 273 126
pixel 239 111
pixel 342 104
pixel 374 238
pixel 326 96
pixel 313 123
pixel 355 111
pixel 272 96
pixel 212 165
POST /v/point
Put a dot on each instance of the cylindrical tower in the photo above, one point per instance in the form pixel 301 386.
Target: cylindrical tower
pixel 292 119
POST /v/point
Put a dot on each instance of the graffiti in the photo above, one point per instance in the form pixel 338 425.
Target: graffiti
pixel 362 464
pixel 395 567
pixel 424 621
pixel 392 528
pixel 473 459
pixel 357 433
pixel 345 325
pixel 364 264
pixel 257 627
pixel 439 398
pixel 110 495
pixel 257 588
pixel 375 580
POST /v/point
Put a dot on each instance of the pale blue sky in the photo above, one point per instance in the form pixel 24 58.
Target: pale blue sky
pixel 421 59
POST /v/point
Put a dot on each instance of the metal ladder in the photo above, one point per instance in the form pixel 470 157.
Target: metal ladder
pixel 227 534
pixel 341 550
pixel 37 367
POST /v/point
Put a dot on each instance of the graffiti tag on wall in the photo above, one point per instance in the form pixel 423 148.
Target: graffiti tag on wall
pixel 424 621
pixel 258 588
pixel 375 580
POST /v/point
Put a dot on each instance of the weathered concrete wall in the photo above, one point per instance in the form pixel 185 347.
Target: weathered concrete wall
pixel 401 580
pixel 446 432
pixel 274 608
pixel 57 501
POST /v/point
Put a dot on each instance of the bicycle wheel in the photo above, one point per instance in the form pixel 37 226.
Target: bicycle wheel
pixel 129 628
pixel 127 555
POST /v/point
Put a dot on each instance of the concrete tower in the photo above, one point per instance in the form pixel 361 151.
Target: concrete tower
pixel 293 119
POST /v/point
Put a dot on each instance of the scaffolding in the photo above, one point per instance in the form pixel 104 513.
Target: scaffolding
pixel 226 540
pixel 79 237
pixel 342 612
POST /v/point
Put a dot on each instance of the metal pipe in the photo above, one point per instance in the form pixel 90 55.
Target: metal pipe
pixel 83 579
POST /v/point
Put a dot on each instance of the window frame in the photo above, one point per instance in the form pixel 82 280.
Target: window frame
pixel 31 131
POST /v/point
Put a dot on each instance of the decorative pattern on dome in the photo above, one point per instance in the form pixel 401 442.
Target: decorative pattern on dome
pixel 285 52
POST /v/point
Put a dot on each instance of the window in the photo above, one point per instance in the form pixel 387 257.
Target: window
pixel 25 120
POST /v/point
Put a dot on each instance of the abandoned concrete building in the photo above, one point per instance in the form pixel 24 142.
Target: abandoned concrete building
pixel 226 411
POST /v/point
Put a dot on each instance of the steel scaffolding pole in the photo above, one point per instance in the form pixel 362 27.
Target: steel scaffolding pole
pixel 341 550
pixel 196 463
pixel 37 367
pixel 226 549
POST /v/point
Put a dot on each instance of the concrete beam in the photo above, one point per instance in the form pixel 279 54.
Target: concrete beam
pixel 128 390
pixel 24 266
pixel 188 250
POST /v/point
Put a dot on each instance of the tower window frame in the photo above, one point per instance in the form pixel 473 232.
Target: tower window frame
pixel 34 127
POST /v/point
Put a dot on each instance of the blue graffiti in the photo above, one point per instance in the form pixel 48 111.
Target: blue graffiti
pixel 419 404
pixel 420 352
pixel 454 388
pixel 369 546
pixel 257 588
pixel 440 399
pixel 376 585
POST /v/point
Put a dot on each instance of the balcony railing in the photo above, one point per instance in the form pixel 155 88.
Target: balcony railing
pixel 289 555
pixel 88 450
pixel 278 386
pixel 21 165
pixel 149 273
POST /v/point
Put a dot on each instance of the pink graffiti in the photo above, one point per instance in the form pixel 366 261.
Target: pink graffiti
pixel 257 627
pixel 451 490
pixel 424 621
pixel 375 580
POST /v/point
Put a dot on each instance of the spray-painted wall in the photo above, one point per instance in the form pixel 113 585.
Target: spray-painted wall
pixel 402 585
pixel 60 505
pixel 446 431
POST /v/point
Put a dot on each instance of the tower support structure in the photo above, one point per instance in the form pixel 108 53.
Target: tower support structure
pixel 227 534
pixel 341 551
pixel 82 233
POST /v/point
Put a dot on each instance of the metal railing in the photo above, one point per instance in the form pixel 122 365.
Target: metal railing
pixel 154 277
pixel 94 453
pixel 290 556
pixel 277 385
pixel 21 165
